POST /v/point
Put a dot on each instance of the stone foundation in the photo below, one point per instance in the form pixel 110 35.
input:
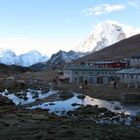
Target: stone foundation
pixel 130 98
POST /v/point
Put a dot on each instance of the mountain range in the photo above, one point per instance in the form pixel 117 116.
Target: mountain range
pixel 63 57
pixel 8 57
pixel 58 59
pixel 103 35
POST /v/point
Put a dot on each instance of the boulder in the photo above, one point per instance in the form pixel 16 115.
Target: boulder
pixel 9 82
pixel 65 95
pixel 117 108
pixel 81 96
pixel 51 103
pixel 5 101
pixel 21 84
pixel 75 104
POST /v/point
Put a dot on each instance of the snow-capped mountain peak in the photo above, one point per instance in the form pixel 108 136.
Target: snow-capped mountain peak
pixel 63 57
pixel 31 58
pixel 9 57
pixel 104 34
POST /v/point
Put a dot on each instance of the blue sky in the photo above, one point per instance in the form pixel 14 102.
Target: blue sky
pixel 51 25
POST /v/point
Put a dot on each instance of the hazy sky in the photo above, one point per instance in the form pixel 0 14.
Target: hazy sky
pixel 51 25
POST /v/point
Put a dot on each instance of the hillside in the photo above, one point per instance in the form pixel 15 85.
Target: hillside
pixel 125 48
pixel 12 69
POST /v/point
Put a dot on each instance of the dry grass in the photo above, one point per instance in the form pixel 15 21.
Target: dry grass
pixel 100 91
pixel 46 76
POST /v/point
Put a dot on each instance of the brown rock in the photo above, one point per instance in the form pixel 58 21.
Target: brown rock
pixel 9 82
pixel 5 101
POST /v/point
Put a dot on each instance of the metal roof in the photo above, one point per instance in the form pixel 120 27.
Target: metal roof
pixel 106 62
pixel 130 70
pixel 136 56
pixel 87 67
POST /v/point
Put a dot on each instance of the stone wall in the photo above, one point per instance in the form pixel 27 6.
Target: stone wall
pixel 130 98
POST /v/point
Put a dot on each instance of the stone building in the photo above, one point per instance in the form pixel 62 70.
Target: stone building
pixel 130 76
pixel 108 64
pixel 79 73
pixel 135 61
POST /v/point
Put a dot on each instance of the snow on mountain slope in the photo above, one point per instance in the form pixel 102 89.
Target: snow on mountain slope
pixel 31 58
pixel 105 34
pixel 62 57
pixel 71 55
pixel 9 57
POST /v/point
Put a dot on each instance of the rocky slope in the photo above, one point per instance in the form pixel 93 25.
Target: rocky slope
pixel 63 57
pixel 11 69
pixel 58 60
pixel 123 49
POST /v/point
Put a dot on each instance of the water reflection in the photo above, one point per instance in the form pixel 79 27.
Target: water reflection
pixel 60 106
pixel 29 95
pixel 63 106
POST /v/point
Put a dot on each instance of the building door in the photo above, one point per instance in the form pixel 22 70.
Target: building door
pixel 100 80
pixel 105 80
pixel 81 79
pixel 93 80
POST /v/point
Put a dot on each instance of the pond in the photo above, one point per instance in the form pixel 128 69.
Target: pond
pixel 59 107
pixel 27 97
pixel 62 106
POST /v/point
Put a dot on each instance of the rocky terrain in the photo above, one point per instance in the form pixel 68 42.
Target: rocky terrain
pixel 19 123
pixel 86 122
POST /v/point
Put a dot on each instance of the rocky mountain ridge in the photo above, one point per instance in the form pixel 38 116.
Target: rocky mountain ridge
pixel 58 60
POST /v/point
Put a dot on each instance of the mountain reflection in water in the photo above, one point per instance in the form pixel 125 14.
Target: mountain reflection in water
pixel 63 106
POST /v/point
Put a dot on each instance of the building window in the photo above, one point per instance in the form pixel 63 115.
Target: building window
pixel 131 76
pixel 135 76
pixel 90 72
pixel 76 72
pixel 82 72
pixel 123 76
